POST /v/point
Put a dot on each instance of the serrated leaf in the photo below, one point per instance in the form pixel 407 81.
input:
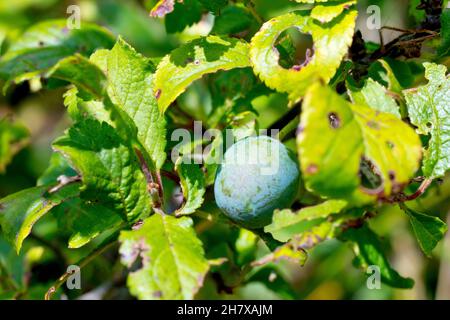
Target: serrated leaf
pixel 193 60
pixel 13 137
pixel 338 139
pixel 20 211
pixel 130 77
pixel 45 43
pixel 375 96
pixel 185 13
pixel 286 223
pixel 331 42
pixel 172 259
pixel 428 230
pixel 79 71
pixel 287 252
pixel 428 108
pixel 109 167
pixel 368 250
pixel 192 182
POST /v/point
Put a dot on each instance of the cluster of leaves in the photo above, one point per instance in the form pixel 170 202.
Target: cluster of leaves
pixel 360 139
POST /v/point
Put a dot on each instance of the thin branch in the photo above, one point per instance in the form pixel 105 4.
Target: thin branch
pixel 108 243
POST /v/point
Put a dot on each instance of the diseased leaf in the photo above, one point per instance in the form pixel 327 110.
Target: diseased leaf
pixel 109 168
pixel 20 211
pixel 192 182
pixel 368 251
pixel 428 230
pixel 13 138
pixel 353 152
pixel 375 96
pixel 428 108
pixel 45 43
pixel 331 42
pixel 193 60
pixel 171 256
pixel 130 78
pixel 286 224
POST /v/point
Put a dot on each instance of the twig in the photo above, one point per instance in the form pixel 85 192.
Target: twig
pixel 108 243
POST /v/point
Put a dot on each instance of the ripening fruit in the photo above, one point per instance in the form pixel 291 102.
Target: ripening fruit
pixel 257 176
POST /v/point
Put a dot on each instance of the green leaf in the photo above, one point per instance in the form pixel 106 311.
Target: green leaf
pixel 89 221
pixel 342 145
pixel 326 12
pixel 214 6
pixel 417 15
pixel 162 8
pixel 130 78
pixel 79 71
pixel 109 167
pixel 192 182
pixel 331 42
pixel 375 96
pixel 45 43
pixel 171 259
pixel 368 251
pixel 428 110
pixel 232 20
pixel 58 166
pixel 428 230
pixel 13 138
pixel 287 252
pixel 286 224
pixel 20 211
pixel 193 60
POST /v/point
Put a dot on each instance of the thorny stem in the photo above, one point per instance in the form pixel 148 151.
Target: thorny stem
pixel 108 243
